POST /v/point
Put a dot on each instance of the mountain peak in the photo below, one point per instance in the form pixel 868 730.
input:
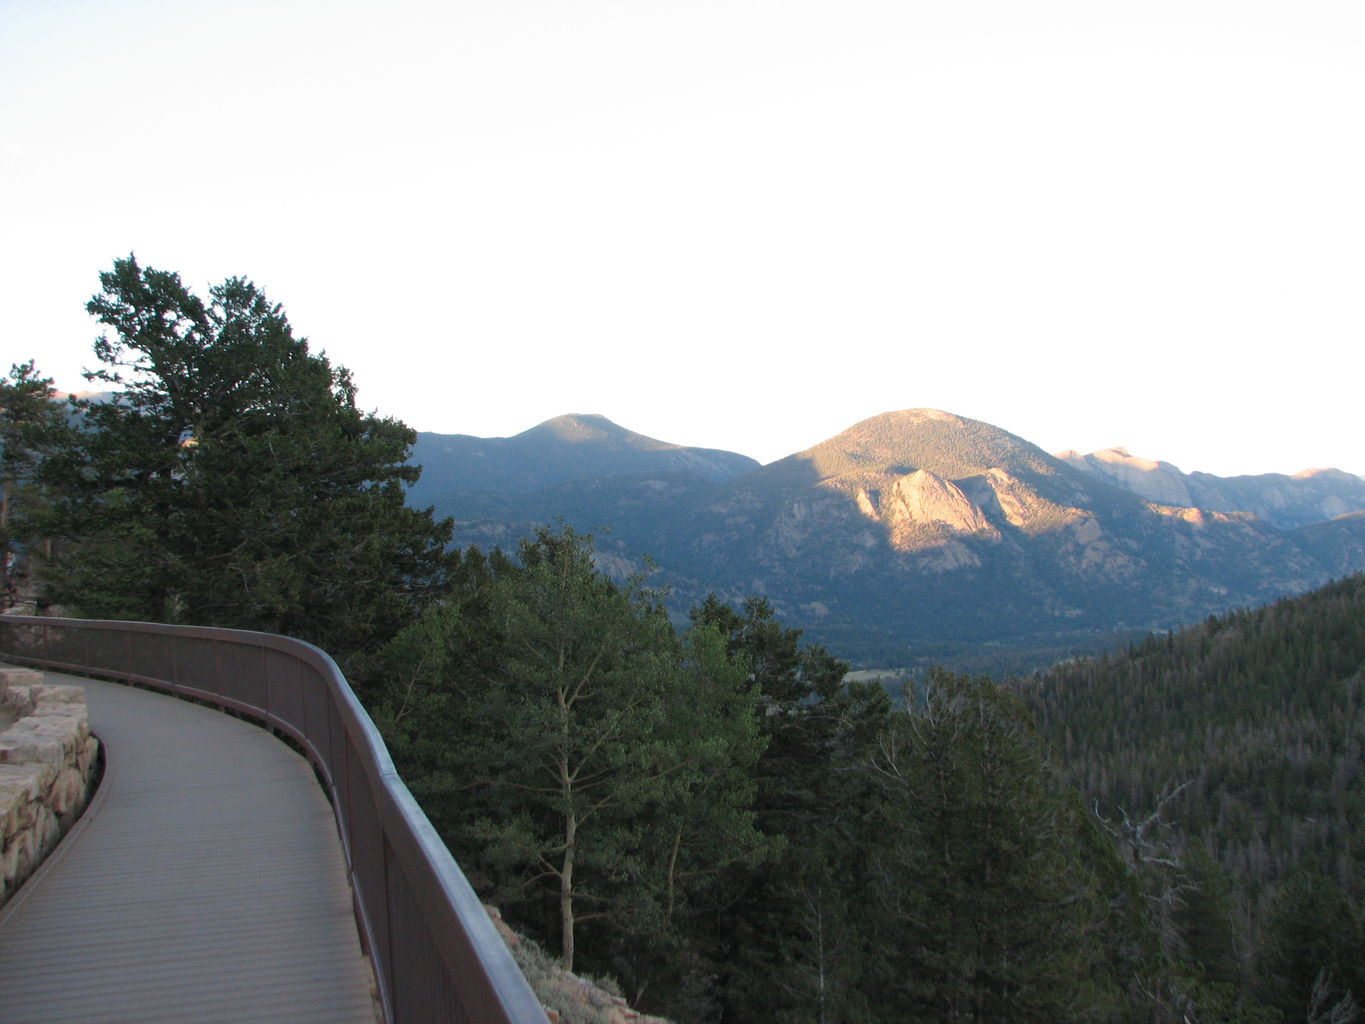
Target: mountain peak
pixel 579 428
pixel 575 446
pixel 950 446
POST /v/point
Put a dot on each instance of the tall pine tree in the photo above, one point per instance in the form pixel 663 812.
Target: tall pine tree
pixel 986 899
pixel 230 478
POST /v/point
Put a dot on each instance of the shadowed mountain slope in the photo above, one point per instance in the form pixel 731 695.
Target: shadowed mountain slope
pixel 566 448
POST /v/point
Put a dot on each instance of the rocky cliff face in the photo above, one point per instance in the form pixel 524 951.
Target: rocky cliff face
pixel 922 506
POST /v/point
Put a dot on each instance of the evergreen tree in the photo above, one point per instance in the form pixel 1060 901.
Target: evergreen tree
pixel 984 894
pixel 32 424
pixel 1311 955
pixel 1206 922
pixel 788 940
pixel 231 480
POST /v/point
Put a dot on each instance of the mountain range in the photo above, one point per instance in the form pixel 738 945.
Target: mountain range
pixel 915 535
pixel 1288 502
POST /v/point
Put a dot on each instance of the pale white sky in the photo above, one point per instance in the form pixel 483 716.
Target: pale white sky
pixel 743 224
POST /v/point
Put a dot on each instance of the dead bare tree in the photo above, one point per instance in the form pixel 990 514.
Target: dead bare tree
pixel 1152 847
pixel 1321 1008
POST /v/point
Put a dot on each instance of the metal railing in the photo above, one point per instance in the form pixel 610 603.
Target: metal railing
pixel 437 957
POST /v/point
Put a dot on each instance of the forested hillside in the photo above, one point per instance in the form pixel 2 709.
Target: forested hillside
pixel 1245 733
pixel 722 823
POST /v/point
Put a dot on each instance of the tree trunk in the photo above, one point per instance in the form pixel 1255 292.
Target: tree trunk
pixel 566 890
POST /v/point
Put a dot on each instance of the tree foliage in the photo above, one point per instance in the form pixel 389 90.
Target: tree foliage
pixel 229 479
pixel 593 766
pixel 785 939
pixel 738 833
pixel 32 424
pixel 930 866
pixel 989 906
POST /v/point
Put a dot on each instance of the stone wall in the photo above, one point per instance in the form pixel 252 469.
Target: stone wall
pixel 46 760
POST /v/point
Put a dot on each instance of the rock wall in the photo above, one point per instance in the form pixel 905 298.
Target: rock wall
pixel 46 760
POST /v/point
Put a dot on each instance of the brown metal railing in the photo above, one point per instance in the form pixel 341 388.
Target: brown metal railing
pixel 437 956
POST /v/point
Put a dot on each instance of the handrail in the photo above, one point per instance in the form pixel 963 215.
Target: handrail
pixel 437 956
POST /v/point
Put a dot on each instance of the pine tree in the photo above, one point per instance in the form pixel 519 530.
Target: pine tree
pixel 32 423
pixel 788 940
pixel 1311 955
pixel 231 480
pixel 980 880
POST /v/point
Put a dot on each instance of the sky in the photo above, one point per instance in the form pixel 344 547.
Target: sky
pixel 745 224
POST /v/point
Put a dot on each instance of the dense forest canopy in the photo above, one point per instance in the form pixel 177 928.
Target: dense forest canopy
pixel 725 825
pixel 713 812
pixel 1249 729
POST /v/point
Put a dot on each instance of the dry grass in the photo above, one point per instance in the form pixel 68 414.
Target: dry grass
pixel 568 998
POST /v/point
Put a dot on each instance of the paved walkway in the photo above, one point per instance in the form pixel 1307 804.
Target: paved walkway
pixel 206 883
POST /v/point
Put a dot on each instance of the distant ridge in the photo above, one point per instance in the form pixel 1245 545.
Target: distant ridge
pixel 1288 502
pixel 571 447
pixel 914 535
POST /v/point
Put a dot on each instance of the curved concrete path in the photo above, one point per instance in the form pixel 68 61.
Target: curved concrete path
pixel 205 883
